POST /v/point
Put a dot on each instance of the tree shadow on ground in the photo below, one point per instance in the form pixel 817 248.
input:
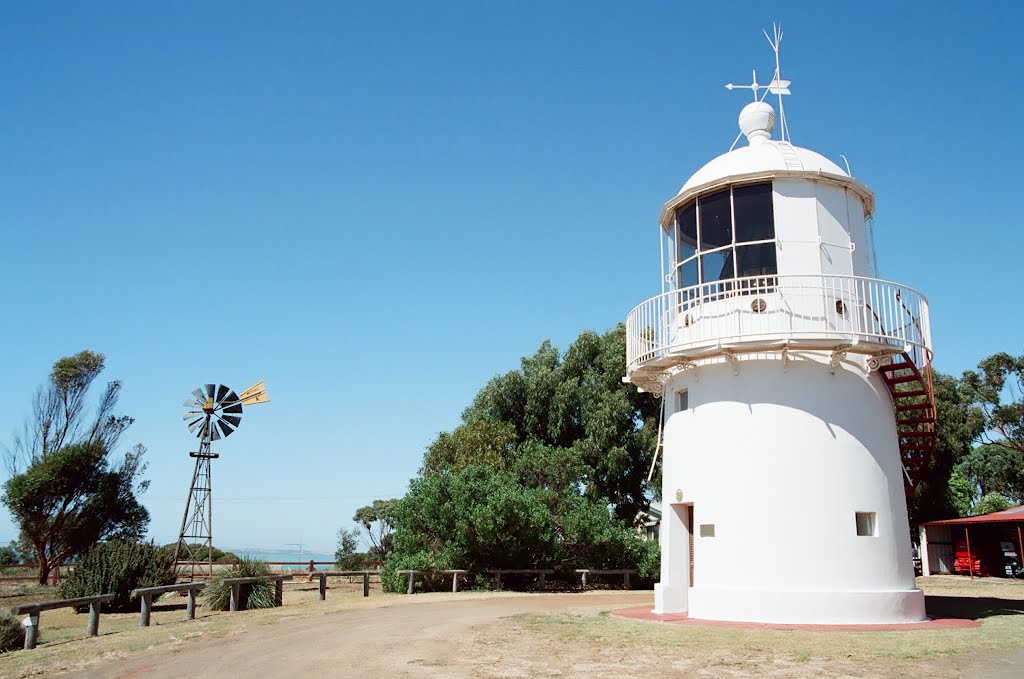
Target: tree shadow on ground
pixel 971 607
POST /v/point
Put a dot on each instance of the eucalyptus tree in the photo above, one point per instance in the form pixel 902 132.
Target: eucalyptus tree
pixel 67 491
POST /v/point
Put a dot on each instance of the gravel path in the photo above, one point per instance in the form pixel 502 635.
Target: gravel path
pixel 469 636
pixel 428 639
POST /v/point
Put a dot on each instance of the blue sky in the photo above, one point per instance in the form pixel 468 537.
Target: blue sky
pixel 376 207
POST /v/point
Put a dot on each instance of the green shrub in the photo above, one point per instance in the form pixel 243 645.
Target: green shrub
pixel 117 567
pixel 217 595
pixel 219 555
pixel 391 581
pixel 12 634
pixel 9 555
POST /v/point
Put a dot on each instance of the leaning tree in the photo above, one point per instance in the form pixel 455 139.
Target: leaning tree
pixel 67 491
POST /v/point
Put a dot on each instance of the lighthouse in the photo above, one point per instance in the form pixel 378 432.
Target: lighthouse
pixel 796 386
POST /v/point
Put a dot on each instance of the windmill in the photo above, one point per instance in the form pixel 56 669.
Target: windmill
pixel 212 412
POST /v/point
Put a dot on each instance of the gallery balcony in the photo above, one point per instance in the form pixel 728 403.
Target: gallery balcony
pixel 775 313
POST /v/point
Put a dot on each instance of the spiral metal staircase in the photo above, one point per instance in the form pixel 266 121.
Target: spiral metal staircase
pixel 909 381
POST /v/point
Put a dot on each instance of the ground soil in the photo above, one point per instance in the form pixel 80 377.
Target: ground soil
pixel 490 636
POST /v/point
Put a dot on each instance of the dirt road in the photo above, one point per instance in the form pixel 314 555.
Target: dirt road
pixel 473 635
pixel 427 638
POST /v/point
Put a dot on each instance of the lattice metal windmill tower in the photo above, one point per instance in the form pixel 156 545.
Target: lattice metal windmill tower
pixel 799 409
pixel 212 413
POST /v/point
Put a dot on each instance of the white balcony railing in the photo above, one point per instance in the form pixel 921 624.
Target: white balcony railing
pixel 867 315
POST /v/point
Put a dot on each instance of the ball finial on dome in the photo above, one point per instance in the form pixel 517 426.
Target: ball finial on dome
pixel 757 120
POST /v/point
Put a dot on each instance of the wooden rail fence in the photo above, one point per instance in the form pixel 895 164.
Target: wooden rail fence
pixel 323 575
pixel 146 594
pixel 624 572
pixel 236 587
pixel 31 623
pixel 32 573
pixel 541 574
pixel 455 573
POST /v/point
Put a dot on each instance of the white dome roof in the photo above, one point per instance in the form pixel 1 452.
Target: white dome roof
pixel 766 155
pixel 765 158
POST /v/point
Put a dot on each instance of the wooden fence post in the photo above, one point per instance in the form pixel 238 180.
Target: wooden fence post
pixel 191 606
pixel 409 589
pixel 147 603
pixel 366 584
pixel 455 582
pixel 278 592
pixel 31 630
pixel 233 604
pixel 625 580
pixel 94 618
pixel 323 588
pixel 541 582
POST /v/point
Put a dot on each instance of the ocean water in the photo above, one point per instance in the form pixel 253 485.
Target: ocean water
pixel 322 560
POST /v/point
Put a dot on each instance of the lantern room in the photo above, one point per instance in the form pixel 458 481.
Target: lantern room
pixel 765 209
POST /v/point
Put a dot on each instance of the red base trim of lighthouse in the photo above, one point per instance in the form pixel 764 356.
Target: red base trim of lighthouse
pixel 645 613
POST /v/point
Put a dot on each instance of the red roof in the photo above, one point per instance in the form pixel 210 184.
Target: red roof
pixel 1011 515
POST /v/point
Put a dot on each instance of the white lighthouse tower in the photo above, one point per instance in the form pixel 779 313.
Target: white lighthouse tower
pixel 796 387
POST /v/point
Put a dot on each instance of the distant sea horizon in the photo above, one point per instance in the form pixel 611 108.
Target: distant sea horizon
pixel 296 555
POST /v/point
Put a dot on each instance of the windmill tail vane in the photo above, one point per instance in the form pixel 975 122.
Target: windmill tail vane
pixel 257 393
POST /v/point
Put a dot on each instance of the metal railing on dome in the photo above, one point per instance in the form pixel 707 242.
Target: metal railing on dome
pixel 760 311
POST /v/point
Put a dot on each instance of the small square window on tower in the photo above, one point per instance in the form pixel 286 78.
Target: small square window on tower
pixel 866 524
pixel 707 530
pixel 682 400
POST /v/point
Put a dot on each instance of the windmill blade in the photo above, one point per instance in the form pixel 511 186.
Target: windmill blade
pixel 198 393
pixel 257 393
pixel 225 428
pixel 210 389
pixel 231 403
pixel 214 434
pixel 192 427
pixel 193 414
pixel 222 391
pixel 233 420
pixel 192 403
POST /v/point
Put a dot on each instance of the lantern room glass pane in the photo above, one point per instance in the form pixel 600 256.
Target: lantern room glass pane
pixel 715 220
pixel 717 266
pixel 688 273
pixel 685 247
pixel 756 260
pixel 686 220
pixel 719 231
pixel 754 213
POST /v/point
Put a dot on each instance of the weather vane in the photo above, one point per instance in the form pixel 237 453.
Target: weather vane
pixel 777 86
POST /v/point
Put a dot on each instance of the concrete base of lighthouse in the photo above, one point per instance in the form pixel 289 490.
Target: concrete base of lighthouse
pixel 790 476
pixel 792 607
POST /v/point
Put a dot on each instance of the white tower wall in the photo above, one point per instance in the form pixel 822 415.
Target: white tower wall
pixel 778 459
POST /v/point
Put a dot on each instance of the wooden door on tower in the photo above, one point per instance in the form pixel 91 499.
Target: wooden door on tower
pixel 689 529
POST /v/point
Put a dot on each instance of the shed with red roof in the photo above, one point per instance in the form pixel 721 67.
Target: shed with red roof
pixel 989 544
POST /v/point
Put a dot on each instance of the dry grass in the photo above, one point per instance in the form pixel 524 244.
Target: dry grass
pixel 999 603
pixel 63 645
pixel 587 636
